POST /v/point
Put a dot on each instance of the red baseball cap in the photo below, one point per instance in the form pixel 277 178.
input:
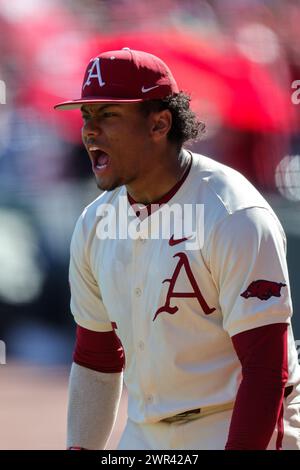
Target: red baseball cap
pixel 124 76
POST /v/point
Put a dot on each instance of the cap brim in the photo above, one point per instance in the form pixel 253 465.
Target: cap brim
pixel 76 104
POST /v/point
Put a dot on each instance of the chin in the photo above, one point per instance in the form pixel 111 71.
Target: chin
pixel 106 186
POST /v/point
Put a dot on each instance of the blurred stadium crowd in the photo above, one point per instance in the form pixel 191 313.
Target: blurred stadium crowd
pixel 237 58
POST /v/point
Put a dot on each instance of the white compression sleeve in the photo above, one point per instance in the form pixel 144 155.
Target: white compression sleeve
pixel 94 399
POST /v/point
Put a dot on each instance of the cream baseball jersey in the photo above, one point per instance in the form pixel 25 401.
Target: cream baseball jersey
pixel 175 308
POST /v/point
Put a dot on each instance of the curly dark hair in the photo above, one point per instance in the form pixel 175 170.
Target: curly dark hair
pixel 185 124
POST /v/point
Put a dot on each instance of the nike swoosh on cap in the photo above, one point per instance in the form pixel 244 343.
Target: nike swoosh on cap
pixel 144 90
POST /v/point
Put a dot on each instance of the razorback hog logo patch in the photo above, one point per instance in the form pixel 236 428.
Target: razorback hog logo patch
pixel 263 289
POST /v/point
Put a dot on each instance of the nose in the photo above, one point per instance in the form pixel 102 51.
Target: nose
pixel 91 128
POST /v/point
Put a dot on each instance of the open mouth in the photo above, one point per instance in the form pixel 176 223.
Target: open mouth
pixel 100 158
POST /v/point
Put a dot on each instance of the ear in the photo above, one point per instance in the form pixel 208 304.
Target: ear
pixel 161 124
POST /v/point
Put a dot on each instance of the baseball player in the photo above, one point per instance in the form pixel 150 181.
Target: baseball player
pixel 201 335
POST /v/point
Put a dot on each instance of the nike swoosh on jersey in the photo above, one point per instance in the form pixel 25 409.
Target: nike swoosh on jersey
pixel 173 242
pixel 144 90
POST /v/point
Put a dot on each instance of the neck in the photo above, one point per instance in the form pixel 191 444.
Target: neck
pixel 160 178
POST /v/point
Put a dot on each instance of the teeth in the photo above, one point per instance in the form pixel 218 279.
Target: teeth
pixel 94 148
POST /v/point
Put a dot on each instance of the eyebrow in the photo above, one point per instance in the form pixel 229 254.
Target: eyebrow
pixel 84 110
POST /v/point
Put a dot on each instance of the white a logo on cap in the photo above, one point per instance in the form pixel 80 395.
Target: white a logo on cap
pixel 95 65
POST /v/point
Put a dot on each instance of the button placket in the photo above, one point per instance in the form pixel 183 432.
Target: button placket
pixel 140 319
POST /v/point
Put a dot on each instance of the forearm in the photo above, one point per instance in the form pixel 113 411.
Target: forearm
pixel 256 411
pixel 92 409
pixel 263 355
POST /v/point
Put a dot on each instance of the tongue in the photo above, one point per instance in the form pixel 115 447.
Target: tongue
pixel 103 159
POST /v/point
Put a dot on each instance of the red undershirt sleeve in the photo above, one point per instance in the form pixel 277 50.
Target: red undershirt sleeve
pixel 258 407
pixel 100 351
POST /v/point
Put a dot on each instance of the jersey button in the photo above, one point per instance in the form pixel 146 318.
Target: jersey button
pixel 149 398
pixel 138 292
pixel 141 345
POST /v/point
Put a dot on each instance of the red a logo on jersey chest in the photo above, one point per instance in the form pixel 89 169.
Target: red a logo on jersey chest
pixel 183 263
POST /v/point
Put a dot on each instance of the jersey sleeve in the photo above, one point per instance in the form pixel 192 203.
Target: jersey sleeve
pixel 86 302
pixel 248 265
